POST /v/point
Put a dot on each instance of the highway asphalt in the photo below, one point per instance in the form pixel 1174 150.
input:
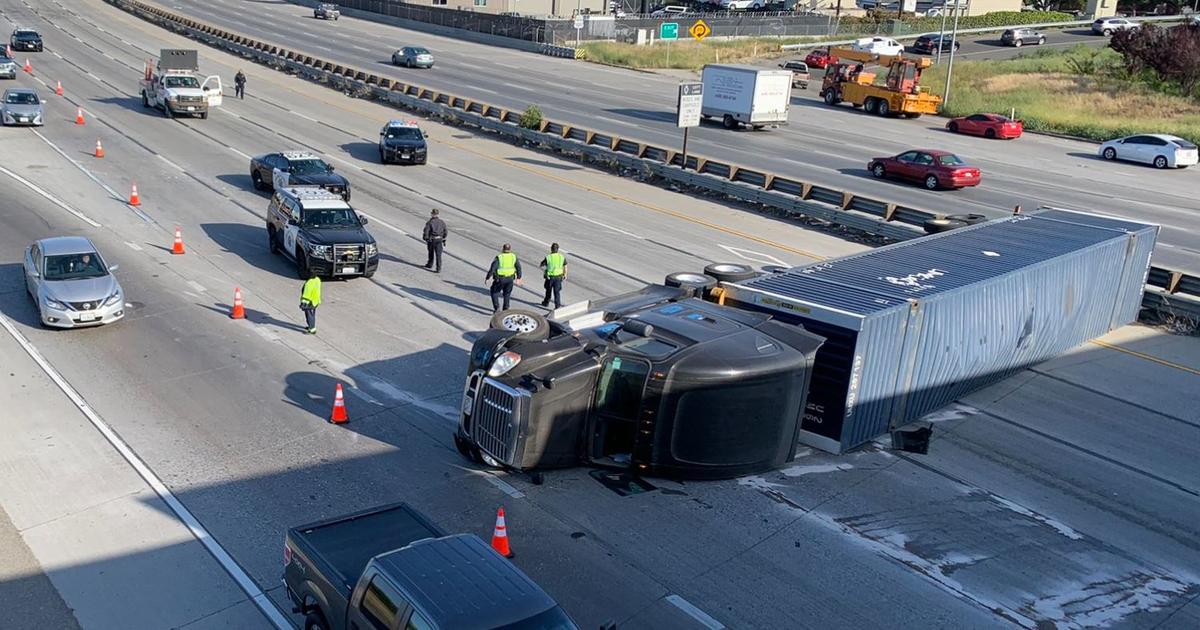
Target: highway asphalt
pixel 824 145
pixel 1066 495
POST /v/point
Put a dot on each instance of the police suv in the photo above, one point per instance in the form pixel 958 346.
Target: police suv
pixel 321 232
pixel 401 141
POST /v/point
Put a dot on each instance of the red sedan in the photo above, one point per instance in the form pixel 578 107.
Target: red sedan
pixel 820 59
pixel 987 125
pixel 934 169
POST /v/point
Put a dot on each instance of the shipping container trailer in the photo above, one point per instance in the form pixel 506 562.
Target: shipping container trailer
pixel 916 325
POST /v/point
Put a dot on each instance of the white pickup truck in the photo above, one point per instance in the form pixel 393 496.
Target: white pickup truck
pixel 174 86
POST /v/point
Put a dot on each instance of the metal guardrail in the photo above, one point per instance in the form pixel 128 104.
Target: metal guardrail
pixel 1168 292
pixel 987 29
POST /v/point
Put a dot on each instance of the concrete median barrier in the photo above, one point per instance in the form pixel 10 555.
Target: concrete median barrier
pixel 1166 289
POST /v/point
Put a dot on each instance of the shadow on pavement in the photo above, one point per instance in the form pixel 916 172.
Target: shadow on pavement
pixel 364 151
pixel 484 307
pixel 242 181
pixel 644 114
pixel 253 316
pixel 249 242
pixel 546 163
pixel 15 302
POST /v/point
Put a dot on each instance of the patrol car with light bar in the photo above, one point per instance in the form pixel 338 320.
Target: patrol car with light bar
pixel 321 232
pixel 402 141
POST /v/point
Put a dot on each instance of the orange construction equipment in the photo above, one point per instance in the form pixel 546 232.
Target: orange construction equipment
pixel 500 536
pixel 28 66
pixel 900 93
pixel 79 116
pixel 99 149
pixel 177 247
pixel 239 309
pixel 58 91
pixel 134 200
pixel 339 407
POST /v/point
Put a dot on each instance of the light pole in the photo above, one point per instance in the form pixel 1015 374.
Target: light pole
pixel 942 33
pixel 954 38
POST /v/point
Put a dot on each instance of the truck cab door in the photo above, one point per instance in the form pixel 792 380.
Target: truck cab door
pixel 212 90
pixel 620 392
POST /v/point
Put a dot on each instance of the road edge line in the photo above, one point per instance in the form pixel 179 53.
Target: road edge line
pixel 244 582
pixel 51 198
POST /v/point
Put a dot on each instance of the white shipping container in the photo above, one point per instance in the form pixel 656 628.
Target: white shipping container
pixel 746 95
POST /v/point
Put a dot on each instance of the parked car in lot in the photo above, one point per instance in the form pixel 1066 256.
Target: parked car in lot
pixel 71 284
pixel 930 43
pixel 819 59
pixel 878 46
pixel 800 73
pixel 670 10
pixel 1020 36
pixel 1159 149
pixel 1108 25
pixel 21 106
pixel 413 57
pixel 934 169
pixel 742 5
pixel 987 125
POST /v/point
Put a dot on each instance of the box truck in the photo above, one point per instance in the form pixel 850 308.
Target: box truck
pixel 745 95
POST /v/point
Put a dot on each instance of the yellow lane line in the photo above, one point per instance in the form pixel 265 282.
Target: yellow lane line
pixel 1140 355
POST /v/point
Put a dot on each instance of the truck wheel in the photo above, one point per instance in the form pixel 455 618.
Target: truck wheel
pixel 871 105
pixel 697 282
pixel 145 101
pixel 885 108
pixel 203 115
pixel 527 325
pixel 466 449
pixel 301 264
pixel 729 122
pixel 969 219
pixel 937 226
pixel 730 272
pixel 315 621
pixel 167 111
pixel 830 97
pixel 774 268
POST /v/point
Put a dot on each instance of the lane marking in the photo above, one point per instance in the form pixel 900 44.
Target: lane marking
pixel 695 613
pixel 248 586
pixel 169 162
pixel 51 198
pixel 504 486
pixel 525 236
pixel 245 155
pixel 1140 355
pixel 608 227
pixel 753 256
pixel 86 171
pixel 134 246
pixel 197 286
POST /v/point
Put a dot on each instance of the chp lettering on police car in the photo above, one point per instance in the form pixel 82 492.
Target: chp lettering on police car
pixel 402 141
pixel 321 232
pixel 296 168
pixel 71 284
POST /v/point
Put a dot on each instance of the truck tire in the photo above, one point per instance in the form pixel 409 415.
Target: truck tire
pixel 145 101
pixel 774 268
pixel 167 111
pixel 697 282
pixel 527 325
pixel 203 115
pixel 969 219
pixel 730 272
pixel 729 122
pixel 315 621
pixel 884 108
pixel 830 97
pixel 937 226
pixel 871 105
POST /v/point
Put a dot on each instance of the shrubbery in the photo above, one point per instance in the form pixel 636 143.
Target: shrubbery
pixel 876 21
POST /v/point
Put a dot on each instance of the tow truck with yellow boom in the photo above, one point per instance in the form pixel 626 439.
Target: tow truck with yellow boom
pixel 899 95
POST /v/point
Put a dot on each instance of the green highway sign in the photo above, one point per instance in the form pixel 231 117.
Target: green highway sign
pixel 668 30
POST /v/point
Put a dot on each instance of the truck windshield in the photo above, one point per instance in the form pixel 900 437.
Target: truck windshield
pixel 551 619
pixel 182 82
pixel 330 218
pixel 619 392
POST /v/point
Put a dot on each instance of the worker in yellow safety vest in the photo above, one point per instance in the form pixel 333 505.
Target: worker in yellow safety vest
pixel 310 299
pixel 503 274
pixel 554 266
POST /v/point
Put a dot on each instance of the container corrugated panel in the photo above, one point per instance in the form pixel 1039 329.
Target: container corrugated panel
pixel 916 325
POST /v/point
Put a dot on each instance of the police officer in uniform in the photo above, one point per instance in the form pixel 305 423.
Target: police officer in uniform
pixel 434 236
pixel 554 266
pixel 503 274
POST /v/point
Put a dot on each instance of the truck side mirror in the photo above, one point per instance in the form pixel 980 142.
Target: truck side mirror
pixel 362 219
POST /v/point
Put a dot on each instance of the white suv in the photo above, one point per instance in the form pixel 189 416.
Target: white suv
pixel 1106 26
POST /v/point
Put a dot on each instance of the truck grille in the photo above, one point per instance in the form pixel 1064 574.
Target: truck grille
pixel 348 253
pixel 494 420
pixel 191 99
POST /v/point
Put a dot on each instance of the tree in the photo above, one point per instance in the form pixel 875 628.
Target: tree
pixel 1172 54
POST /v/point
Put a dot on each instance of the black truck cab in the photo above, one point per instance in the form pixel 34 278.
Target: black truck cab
pixel 655 381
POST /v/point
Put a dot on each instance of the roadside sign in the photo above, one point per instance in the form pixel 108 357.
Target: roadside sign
pixel 578 21
pixel 668 30
pixel 700 30
pixel 691 97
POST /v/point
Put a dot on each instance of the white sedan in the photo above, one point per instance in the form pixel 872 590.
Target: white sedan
pixel 1161 150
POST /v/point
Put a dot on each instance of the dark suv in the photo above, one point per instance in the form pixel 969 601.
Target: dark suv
pixel 401 141
pixel 927 44
pixel 1020 36
pixel 26 39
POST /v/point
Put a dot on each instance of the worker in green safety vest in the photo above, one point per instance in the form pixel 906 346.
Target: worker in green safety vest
pixel 554 267
pixel 503 274
pixel 310 299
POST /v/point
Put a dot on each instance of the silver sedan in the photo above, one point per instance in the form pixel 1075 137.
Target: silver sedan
pixel 71 283
pixel 21 106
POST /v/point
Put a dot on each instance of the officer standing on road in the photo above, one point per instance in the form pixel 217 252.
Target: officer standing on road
pixel 435 238
pixel 239 84
pixel 310 299
pixel 554 267
pixel 504 272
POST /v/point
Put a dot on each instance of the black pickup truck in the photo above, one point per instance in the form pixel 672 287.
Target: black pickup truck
pixel 390 568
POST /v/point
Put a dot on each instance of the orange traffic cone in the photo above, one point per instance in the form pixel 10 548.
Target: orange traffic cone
pixel 58 91
pixel 134 200
pixel 79 116
pixel 239 309
pixel 177 247
pixel 28 66
pixel 99 149
pixel 339 407
pixel 500 536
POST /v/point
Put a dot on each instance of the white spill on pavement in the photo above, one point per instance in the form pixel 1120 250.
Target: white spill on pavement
pixel 816 469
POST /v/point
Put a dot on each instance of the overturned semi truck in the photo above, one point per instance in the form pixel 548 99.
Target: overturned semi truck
pixel 721 377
